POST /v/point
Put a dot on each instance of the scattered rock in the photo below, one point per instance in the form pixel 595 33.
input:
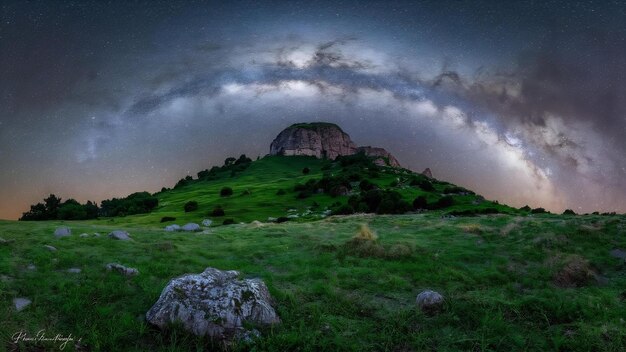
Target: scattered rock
pixel 122 269
pixel 427 173
pixel 172 228
pixel 206 222
pixel 3 241
pixel 5 278
pixel 271 219
pixel 83 235
pixel 191 227
pixel 214 303
pixel 96 234
pixel 577 272
pixel 62 231
pixel 293 216
pixel 21 303
pixel 31 267
pixel 74 270
pixel 119 235
pixel 50 248
pixel 256 223
pixel 618 253
pixel 430 302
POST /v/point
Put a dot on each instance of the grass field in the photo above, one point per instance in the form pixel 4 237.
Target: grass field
pixel 512 282
pixel 496 273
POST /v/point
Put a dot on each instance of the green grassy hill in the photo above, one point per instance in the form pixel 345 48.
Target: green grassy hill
pixel 512 281
pixel 255 192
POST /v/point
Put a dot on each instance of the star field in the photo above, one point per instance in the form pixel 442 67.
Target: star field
pixel 523 102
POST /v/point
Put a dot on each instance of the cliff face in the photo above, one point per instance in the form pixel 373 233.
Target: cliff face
pixel 324 140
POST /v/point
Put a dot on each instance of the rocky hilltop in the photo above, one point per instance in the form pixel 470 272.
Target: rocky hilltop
pixel 324 140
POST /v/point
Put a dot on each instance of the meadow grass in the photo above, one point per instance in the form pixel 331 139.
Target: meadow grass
pixel 496 273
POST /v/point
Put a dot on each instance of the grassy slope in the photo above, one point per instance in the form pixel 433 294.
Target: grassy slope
pixel 497 280
pixel 495 271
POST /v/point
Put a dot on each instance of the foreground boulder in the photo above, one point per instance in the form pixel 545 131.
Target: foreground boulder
pixel 214 303
pixel 430 302
pixel 62 231
pixel 119 235
pixel 21 303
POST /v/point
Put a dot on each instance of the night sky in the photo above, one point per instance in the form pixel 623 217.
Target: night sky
pixel 523 102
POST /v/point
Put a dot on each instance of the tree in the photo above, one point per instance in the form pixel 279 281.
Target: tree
pixel 52 206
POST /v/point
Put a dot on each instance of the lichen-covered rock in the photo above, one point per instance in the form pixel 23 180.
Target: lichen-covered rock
pixel 430 302
pixel 321 140
pixel 191 227
pixel 62 231
pixel 119 235
pixel 122 269
pixel 214 303
pixel 381 156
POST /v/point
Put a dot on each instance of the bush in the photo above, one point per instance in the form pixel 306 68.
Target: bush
pixel 538 211
pixel 456 190
pixel 304 194
pixel 228 222
pixel 366 185
pixel 525 208
pixel 226 192
pixel 282 219
pixel 345 209
pixel 281 192
pixel 569 212
pixel 420 203
pixel 191 206
pixel 306 170
pixel 424 184
pixel 443 202
pixel 218 211
pixel 167 219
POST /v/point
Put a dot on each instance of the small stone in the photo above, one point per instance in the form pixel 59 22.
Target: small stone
pixel 120 235
pixel 618 253
pixel 430 302
pixel 206 222
pixel 50 248
pixel 31 267
pixel 21 303
pixel 83 235
pixel 62 231
pixel 172 228
pixel 191 227
pixel 122 269
pixel 5 278
pixel 74 270
pixel 96 235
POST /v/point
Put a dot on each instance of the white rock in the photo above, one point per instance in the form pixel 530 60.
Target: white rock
pixel 271 219
pixel 119 235
pixel 172 228
pixel 214 303
pixel 62 231
pixel 50 248
pixel 191 227
pixel 206 222
pixel 31 267
pixel 96 234
pixel 430 302
pixel 74 270
pixel 21 303
pixel 122 269
pixel 83 235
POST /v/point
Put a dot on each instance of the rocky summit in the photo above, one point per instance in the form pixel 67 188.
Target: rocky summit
pixel 324 140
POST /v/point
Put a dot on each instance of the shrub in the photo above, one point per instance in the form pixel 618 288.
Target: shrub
pixel 420 203
pixel 282 219
pixel 366 185
pixel 443 202
pixel 365 234
pixel 281 192
pixel 456 190
pixel 167 219
pixel 191 206
pixel 226 192
pixel 569 212
pixel 345 209
pixel 218 211
pixel 228 222
pixel 304 194
pixel 306 170
pixel 538 211
pixel 525 208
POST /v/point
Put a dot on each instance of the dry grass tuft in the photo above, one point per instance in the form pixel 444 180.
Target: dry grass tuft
pixel 365 234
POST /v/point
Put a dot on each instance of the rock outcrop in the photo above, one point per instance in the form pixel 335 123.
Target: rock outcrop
pixel 324 140
pixel 427 173
pixel 214 303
